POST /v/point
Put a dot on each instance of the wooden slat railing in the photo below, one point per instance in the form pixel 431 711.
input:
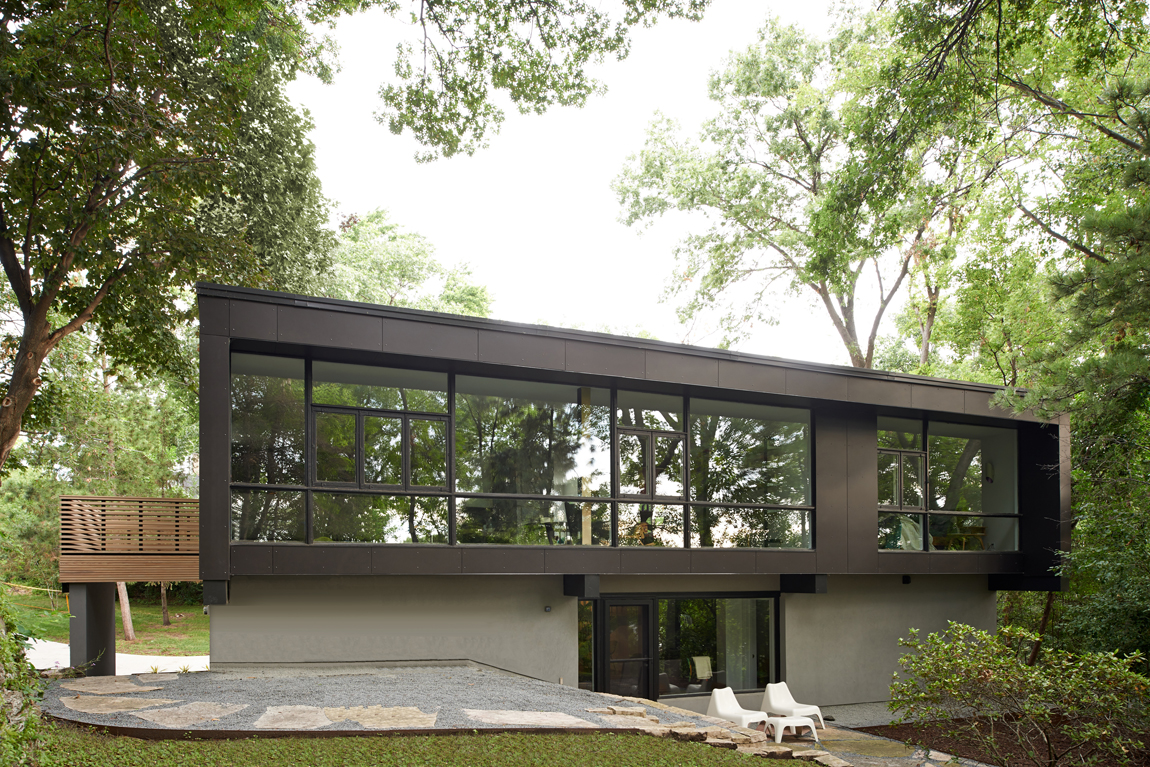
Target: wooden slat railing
pixel 129 539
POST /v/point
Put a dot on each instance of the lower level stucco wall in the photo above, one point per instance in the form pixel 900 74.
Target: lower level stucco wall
pixel 842 646
pixel 491 619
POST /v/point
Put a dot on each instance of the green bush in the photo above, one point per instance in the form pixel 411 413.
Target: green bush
pixel 1067 709
pixel 19 691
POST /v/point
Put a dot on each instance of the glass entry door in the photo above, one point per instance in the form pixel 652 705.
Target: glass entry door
pixel 629 650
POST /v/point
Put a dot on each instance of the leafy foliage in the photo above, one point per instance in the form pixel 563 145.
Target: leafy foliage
pixel 792 196
pixel 1094 701
pixel 377 262
pixel 534 53
pixel 20 726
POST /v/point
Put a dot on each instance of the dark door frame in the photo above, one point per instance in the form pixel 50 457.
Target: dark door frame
pixel 603 641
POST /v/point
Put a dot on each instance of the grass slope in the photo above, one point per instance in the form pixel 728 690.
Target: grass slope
pixel 68 746
pixel 188 634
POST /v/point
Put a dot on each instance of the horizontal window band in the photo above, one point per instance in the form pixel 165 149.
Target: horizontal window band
pixel 441 492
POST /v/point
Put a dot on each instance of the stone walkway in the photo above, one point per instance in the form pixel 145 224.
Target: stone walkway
pixel 277 700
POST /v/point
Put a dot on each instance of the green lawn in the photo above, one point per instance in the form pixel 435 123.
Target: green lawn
pixel 188 634
pixel 74 747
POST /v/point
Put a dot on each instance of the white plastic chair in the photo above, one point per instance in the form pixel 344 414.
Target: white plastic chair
pixel 777 699
pixel 725 705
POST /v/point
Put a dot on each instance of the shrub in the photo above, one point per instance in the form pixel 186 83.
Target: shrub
pixel 1066 709
pixel 19 691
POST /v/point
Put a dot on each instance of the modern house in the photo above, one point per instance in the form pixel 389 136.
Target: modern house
pixel 646 518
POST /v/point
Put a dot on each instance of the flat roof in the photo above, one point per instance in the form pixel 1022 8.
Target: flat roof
pixel 568 334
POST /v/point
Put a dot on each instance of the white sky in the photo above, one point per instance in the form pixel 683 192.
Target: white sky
pixel 534 215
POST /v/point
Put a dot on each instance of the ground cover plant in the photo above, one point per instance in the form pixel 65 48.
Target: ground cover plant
pixel 19 691
pixel 68 746
pixel 1018 704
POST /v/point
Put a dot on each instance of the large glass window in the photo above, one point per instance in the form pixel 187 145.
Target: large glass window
pixel 641 410
pixel 648 524
pixel 268 515
pixel 969 472
pixel 751 454
pixel 533 522
pixel 973 470
pixel 376 450
pixel 267 413
pixel 379 518
pixel 709 643
pixel 527 438
pixel 738 526
pixel 366 386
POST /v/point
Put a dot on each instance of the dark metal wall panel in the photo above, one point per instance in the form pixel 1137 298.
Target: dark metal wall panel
pixel 318 559
pixel 251 320
pixel 605 359
pixel 862 490
pixel 903 562
pixel 743 375
pixel 582 559
pixel 723 561
pixel 1002 562
pixel 873 392
pixel 424 560
pixel 831 470
pixel 807 383
pixel 942 563
pixel 925 397
pixel 316 327
pixel 522 349
pixel 1043 496
pixel 214 316
pixel 633 561
pixel 252 560
pixel 430 340
pixel 508 560
pixel 785 561
pixel 682 368
pixel 215 456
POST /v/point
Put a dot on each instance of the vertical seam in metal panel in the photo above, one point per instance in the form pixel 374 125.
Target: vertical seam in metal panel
pixel 614 421
pixel 451 524
pixel 687 472
pixel 309 449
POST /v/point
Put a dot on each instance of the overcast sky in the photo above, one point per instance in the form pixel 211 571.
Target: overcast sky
pixel 534 215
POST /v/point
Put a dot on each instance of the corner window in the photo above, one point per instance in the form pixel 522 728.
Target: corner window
pixel 946 487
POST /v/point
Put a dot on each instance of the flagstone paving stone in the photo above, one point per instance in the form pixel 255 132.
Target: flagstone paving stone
pixel 292 718
pixel 190 714
pixel 95 704
pixel 382 718
pixel 105 685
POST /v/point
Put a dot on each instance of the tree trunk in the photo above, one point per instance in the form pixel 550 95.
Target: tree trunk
pixel 1041 629
pixel 164 603
pixel 34 347
pixel 125 611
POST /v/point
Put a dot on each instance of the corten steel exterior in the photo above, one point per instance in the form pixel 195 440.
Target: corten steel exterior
pixel 844 404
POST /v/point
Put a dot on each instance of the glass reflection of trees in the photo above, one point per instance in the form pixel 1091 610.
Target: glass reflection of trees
pixel 379 518
pixel 531 439
pixel 267 412
pixel 749 454
pixel 268 515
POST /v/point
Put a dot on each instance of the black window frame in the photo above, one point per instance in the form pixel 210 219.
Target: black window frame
pixel 405 417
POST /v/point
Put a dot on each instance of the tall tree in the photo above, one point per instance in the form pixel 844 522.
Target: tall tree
pixel 789 198
pixel 147 145
pixel 377 262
